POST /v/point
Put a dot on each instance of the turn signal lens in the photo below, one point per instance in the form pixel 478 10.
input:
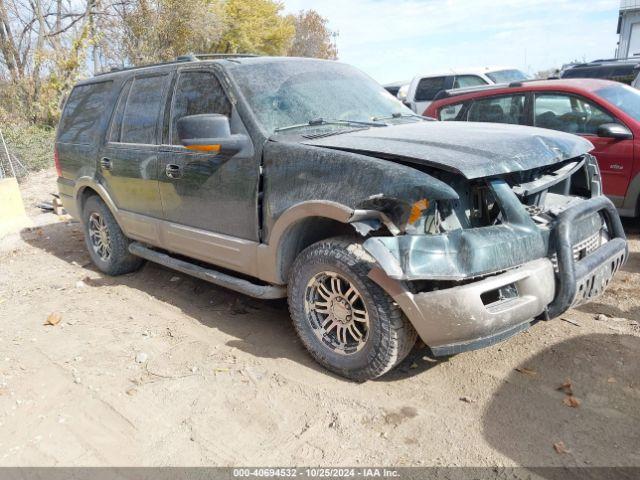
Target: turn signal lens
pixel 417 209
pixel 204 148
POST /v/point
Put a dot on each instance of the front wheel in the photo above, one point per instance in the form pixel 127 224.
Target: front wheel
pixel 346 321
pixel 108 247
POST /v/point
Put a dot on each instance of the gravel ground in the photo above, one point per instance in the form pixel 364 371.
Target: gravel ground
pixel 155 368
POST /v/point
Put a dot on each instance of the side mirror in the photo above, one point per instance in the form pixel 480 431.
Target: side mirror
pixel 208 132
pixel 614 130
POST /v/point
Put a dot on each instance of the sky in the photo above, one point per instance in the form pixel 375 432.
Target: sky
pixel 394 40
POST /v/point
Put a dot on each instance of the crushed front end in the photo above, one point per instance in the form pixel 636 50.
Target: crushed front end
pixel 513 249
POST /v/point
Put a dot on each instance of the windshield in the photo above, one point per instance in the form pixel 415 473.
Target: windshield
pixel 622 96
pixel 295 92
pixel 507 76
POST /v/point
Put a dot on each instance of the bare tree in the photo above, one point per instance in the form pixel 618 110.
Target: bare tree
pixel 312 38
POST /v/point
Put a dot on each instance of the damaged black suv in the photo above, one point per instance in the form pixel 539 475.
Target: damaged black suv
pixel 300 178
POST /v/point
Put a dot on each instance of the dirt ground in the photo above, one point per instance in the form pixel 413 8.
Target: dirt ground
pixel 226 382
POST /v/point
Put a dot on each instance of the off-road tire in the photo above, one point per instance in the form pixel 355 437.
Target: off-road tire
pixel 391 335
pixel 120 261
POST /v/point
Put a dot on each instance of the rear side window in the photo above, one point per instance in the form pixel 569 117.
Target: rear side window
pixel 141 112
pixel 622 73
pixel 197 93
pixel 83 111
pixel 428 88
pixel 506 109
pixel 464 81
pixel 116 123
pixel 450 112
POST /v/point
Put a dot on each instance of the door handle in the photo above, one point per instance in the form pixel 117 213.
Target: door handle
pixel 105 163
pixel 173 171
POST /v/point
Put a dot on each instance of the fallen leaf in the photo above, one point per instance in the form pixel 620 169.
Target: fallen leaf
pixel 571 401
pixel 53 319
pixel 560 448
pixel 566 387
pixel 526 371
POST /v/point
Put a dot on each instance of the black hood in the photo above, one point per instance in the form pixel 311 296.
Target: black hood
pixel 474 150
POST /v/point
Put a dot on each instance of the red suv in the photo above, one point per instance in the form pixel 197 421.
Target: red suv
pixel 606 113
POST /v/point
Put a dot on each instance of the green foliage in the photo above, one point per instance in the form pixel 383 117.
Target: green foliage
pixel 256 26
pixel 32 144
pixel 66 41
pixel 163 29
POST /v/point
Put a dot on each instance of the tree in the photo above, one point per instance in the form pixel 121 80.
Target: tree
pixel 163 29
pixel 255 26
pixel 312 38
pixel 42 45
pixel 46 45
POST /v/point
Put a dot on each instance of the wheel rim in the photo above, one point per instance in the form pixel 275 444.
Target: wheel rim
pixel 336 312
pixel 99 236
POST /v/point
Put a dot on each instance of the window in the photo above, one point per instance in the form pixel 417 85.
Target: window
pixel 568 114
pixel 428 88
pixel 81 118
pixel 197 93
pixel 464 81
pixel 507 76
pixel 622 73
pixel 505 109
pixel 450 112
pixel 116 122
pixel 140 118
pixel 624 97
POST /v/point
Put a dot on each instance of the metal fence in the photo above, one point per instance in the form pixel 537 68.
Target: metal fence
pixel 10 165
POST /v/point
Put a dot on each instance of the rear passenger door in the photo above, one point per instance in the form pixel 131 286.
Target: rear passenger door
pixel 129 160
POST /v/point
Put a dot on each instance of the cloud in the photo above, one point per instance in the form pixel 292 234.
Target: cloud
pixel 393 40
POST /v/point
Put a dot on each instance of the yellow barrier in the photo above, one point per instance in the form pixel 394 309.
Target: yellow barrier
pixel 12 214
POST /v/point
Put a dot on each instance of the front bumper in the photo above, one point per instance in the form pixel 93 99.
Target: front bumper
pixel 477 314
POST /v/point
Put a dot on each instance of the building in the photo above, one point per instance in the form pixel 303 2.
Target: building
pixel 629 29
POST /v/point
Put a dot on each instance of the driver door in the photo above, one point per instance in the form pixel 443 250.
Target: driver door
pixel 209 199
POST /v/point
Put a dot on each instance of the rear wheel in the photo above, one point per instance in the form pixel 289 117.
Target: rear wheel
pixel 345 320
pixel 108 247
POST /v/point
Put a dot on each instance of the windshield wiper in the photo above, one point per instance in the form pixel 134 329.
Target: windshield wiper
pixel 399 115
pixel 321 121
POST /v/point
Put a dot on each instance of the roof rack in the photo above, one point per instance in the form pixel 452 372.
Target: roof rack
pixel 455 92
pixel 591 63
pixel 189 57
pixel 193 57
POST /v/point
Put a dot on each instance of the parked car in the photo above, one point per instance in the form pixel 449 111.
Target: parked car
pixel 394 87
pixel 423 89
pixel 294 177
pixel 619 70
pixel 605 113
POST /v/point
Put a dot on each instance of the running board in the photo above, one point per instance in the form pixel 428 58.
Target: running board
pixel 208 275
